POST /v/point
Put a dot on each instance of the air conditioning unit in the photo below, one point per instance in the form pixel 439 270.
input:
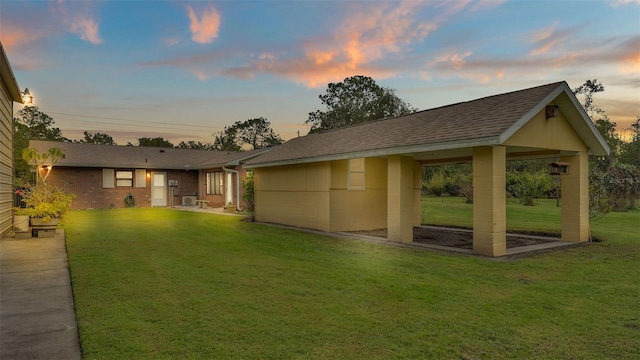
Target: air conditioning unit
pixel 189 201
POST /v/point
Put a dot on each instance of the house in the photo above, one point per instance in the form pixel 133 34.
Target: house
pixel 101 176
pixel 368 176
pixel 9 93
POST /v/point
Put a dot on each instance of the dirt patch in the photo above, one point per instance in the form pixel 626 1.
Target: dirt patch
pixel 460 238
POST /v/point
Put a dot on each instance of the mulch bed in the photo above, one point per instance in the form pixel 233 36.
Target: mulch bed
pixel 459 238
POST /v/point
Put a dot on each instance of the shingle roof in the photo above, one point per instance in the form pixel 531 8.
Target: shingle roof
pixel 463 124
pixel 142 157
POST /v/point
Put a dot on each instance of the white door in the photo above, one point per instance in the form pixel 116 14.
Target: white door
pixel 159 189
pixel 229 191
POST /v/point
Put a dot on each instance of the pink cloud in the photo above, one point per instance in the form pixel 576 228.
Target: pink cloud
pixel 205 29
pixel 86 28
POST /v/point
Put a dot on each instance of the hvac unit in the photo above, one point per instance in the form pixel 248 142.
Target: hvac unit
pixel 189 200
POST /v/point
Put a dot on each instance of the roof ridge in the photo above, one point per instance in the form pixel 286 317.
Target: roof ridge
pixel 558 83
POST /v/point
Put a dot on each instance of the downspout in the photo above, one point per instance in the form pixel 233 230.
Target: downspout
pixel 237 185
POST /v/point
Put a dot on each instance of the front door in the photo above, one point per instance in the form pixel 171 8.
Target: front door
pixel 159 189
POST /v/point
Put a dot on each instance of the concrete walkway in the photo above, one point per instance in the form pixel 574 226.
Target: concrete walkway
pixel 37 316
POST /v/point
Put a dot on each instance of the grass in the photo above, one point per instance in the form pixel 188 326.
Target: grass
pixel 165 284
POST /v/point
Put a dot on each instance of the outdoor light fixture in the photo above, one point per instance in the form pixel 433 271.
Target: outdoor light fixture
pixel 559 168
pixel 27 98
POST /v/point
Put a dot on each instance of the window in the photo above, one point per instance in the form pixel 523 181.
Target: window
pixel 355 176
pixel 124 178
pixel 215 183
pixel 141 178
pixel 107 178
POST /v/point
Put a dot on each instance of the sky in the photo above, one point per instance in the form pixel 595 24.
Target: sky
pixel 184 70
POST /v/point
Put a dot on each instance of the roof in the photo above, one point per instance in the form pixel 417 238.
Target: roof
pixel 481 122
pixel 141 157
pixel 7 77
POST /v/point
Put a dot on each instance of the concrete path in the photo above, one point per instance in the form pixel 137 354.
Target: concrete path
pixel 37 316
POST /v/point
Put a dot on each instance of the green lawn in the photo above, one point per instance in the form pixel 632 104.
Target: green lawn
pixel 161 283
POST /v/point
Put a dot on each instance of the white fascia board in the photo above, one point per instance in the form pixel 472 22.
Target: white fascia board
pixel 587 120
pixel 406 150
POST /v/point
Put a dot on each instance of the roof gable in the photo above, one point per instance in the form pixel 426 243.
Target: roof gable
pixel 7 77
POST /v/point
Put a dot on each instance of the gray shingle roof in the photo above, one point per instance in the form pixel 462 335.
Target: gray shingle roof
pixel 141 157
pixel 477 121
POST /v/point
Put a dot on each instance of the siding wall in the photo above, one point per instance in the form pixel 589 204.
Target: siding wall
pixel 6 160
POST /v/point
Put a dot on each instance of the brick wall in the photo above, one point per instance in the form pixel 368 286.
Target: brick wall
pixel 86 184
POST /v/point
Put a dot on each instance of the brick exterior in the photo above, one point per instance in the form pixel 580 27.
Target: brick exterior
pixel 86 184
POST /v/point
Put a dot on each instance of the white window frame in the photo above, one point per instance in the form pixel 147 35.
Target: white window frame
pixel 124 178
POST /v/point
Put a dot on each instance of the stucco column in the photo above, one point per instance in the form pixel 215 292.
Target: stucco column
pixel 400 199
pixel 575 198
pixel 489 201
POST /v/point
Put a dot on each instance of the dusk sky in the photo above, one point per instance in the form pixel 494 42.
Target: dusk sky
pixel 185 69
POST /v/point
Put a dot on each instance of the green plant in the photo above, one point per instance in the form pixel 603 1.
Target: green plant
pixel 248 196
pixel 44 203
pixel 528 187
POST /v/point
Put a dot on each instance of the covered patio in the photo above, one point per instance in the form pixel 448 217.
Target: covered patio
pixel 369 176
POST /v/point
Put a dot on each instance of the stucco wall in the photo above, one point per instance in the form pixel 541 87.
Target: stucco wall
pixel 296 195
pixel 6 160
pixel 366 209
pixel 555 133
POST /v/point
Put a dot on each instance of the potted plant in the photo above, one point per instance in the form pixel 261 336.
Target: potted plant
pixel 231 208
pixel 44 204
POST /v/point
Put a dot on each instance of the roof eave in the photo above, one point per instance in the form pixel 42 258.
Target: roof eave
pixel 404 150
pixel 8 78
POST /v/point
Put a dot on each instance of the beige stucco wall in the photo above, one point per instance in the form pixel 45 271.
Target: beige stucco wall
pixel 296 195
pixel 554 133
pixel 366 209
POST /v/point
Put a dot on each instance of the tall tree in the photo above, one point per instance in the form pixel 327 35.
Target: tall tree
pixel 254 132
pixel 257 133
pixel 96 138
pixel 630 152
pixel 227 140
pixel 605 126
pixel 156 141
pixel 355 100
pixel 197 145
pixel 31 124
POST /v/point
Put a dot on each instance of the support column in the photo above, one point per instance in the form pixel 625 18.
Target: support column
pixel 575 198
pixel 489 201
pixel 400 199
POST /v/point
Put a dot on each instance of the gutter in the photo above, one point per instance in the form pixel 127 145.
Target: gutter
pixel 237 185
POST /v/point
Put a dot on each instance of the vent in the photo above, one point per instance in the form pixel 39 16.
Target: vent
pixel 189 200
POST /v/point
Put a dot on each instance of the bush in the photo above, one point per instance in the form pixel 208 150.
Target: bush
pixel 249 195
pixel 526 187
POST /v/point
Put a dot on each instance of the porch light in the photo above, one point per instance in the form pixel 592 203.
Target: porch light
pixel 559 168
pixel 27 98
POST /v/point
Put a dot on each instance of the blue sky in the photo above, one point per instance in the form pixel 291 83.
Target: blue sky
pixel 185 69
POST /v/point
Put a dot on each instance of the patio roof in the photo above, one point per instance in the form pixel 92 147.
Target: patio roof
pixel 454 129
